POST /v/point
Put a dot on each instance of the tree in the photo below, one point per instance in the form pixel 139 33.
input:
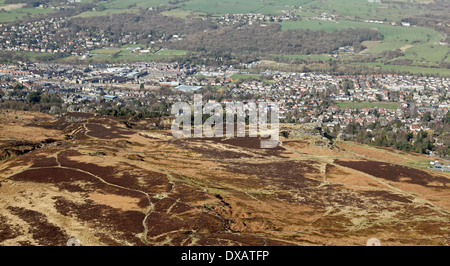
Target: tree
pixel 447 118
pixel 34 97
pixel 422 135
pixel 426 117
pixel 352 128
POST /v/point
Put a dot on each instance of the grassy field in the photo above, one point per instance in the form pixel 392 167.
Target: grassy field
pixel 417 44
pixel 31 56
pixel 389 10
pixel 394 34
pixel 317 57
pixel 106 51
pixel 427 53
pixel 410 69
pixel 245 77
pixel 21 13
pixel 394 37
pixel 182 13
pixel 242 6
pixel 344 7
pixel 447 58
pixel 361 105
pixel 120 6
pixel 171 52
pixel 104 12
pixel 178 13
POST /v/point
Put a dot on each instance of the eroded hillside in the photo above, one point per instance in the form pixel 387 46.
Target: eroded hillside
pixel 109 181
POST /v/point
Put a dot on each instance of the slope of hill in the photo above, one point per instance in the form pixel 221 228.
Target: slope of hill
pixel 106 182
pixel 413 34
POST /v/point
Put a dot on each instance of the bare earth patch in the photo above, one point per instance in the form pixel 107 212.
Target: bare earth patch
pixel 115 201
pixel 12 7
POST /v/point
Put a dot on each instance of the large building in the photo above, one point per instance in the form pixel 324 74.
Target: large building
pixel 186 88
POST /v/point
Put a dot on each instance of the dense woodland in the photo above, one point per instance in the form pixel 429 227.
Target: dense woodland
pixel 272 39
pixel 394 135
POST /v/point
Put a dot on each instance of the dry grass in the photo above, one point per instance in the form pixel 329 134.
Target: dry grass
pixel 110 185
pixel 12 7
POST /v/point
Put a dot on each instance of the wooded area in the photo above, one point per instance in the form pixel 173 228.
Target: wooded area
pixel 206 36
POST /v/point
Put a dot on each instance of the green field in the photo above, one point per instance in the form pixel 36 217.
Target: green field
pixel 447 58
pixel 178 13
pixel 344 7
pixel 106 51
pixel 318 57
pixel 391 11
pixel 120 6
pixel 418 44
pixel 410 69
pixel 242 6
pixel 245 77
pixel 21 13
pixel 28 56
pixel 361 105
pixel 171 53
pixel 394 37
pixel 427 53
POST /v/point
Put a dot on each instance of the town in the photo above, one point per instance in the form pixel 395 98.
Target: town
pixel 357 108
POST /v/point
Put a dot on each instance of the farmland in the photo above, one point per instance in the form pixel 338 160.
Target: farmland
pixel 238 6
pixel 118 6
pixel 388 10
pixel 320 57
pixel 409 69
pixel 350 8
pixel 20 13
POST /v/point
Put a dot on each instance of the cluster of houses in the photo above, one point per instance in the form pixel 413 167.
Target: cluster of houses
pixel 256 18
pixel 302 97
pixel 50 36
pixel 47 36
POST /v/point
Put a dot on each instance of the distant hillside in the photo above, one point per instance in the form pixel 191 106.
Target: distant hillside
pixel 386 36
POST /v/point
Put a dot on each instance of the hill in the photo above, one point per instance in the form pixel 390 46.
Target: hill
pixel 116 181
pixel 412 37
